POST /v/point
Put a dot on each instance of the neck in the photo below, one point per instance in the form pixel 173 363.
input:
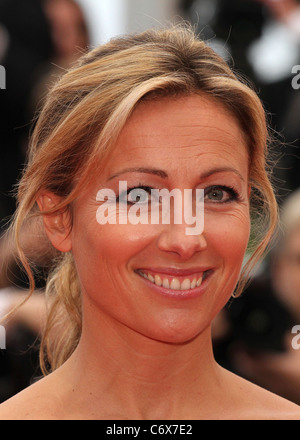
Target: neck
pixel 142 377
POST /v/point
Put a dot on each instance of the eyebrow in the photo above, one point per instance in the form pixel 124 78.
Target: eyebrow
pixel 222 170
pixel 154 171
pixel 164 175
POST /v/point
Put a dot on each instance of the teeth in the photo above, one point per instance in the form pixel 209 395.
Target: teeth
pixel 165 283
pixel 199 282
pixel 185 285
pixel 175 283
pixel 150 277
pixel 157 280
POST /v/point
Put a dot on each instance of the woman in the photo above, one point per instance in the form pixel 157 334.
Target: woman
pixel 131 302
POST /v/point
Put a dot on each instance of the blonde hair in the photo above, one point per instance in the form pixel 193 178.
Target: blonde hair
pixel 80 122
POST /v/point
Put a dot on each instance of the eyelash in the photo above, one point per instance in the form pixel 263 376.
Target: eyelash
pixel 140 186
pixel 234 196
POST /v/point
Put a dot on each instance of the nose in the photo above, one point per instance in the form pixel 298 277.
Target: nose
pixel 175 239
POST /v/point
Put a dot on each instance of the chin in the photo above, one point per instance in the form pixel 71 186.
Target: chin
pixel 178 333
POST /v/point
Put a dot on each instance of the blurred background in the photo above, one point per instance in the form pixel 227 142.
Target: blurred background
pixel 260 39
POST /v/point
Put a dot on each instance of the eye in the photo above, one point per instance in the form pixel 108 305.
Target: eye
pixel 138 194
pixel 220 194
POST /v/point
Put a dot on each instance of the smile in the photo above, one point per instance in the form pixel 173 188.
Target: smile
pixel 179 282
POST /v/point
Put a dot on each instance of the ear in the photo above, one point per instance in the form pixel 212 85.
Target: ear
pixel 57 223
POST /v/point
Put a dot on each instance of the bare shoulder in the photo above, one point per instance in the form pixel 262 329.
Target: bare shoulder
pixel 38 401
pixel 50 398
pixel 256 403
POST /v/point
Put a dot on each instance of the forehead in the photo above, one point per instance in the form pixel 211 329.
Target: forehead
pixel 181 129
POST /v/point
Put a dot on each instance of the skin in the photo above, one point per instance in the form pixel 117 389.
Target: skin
pixel 143 355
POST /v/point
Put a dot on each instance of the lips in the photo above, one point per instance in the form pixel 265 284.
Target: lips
pixel 175 279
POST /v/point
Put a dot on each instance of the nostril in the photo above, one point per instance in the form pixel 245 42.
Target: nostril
pixel 176 240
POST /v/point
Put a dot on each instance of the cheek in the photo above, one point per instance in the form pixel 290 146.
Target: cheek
pixel 228 236
pixel 106 250
pixel 121 242
pixel 227 243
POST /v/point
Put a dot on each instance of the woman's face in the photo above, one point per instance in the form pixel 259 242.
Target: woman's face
pixel 155 279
